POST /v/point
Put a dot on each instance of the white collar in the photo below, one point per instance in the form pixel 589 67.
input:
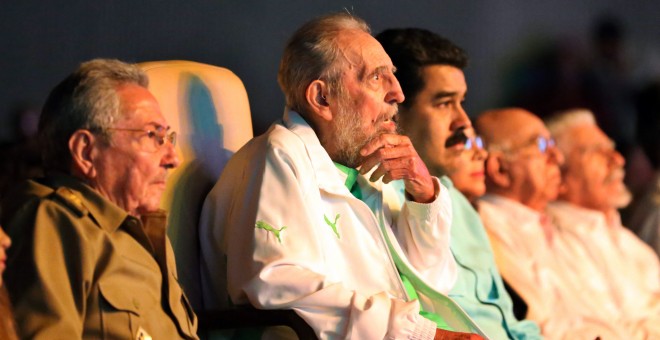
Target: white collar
pixel 515 210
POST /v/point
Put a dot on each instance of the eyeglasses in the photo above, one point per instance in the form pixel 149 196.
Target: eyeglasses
pixel 155 138
pixel 604 149
pixel 543 144
pixel 476 143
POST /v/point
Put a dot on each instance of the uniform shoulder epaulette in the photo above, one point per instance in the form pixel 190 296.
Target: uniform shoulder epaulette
pixel 71 200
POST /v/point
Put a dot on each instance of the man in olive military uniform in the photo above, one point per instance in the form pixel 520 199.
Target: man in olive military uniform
pixel 91 258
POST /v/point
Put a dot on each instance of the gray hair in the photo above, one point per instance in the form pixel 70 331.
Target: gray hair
pixel 562 123
pixel 86 99
pixel 313 53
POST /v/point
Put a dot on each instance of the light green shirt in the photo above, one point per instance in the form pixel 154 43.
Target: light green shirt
pixel 479 288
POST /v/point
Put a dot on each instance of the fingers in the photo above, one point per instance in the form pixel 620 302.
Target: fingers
pixel 395 158
pixel 384 140
pixel 393 169
pixel 389 158
pixel 385 147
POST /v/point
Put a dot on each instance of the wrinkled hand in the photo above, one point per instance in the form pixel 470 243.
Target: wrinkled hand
pixel 441 334
pixel 397 159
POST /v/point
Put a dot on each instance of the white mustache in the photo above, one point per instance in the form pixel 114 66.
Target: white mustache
pixel 390 114
pixel 616 174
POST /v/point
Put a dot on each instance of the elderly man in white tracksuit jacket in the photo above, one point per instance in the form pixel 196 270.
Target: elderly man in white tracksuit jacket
pixel 293 224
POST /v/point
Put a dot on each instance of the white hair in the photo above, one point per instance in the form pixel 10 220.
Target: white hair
pixel 313 52
pixel 86 99
pixel 561 124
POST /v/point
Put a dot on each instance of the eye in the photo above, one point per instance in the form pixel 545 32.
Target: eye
pixel 376 77
pixel 156 137
pixel 443 104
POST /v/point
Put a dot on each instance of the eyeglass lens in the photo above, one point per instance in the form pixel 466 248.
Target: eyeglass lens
pixel 544 143
pixel 474 143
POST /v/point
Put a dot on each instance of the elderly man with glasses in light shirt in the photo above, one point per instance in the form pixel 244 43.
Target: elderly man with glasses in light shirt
pixel 591 192
pixel 564 290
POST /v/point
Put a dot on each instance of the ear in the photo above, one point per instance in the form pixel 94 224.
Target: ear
pixel 497 170
pixel 82 145
pixel 317 98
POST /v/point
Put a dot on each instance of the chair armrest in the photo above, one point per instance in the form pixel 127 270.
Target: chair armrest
pixel 249 317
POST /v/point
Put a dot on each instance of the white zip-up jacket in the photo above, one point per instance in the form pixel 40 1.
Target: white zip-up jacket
pixel 294 237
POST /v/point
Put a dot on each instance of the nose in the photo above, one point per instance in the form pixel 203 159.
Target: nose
pixel 170 159
pixel 480 154
pixel 555 155
pixel 5 241
pixel 460 118
pixel 617 159
pixel 395 93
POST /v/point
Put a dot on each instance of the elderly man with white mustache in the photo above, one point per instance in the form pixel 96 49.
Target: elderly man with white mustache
pixel 592 190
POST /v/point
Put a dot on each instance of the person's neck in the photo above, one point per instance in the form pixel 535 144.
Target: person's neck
pixel 611 215
pixel 538 205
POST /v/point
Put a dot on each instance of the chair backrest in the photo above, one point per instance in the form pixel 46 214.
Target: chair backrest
pixel 208 108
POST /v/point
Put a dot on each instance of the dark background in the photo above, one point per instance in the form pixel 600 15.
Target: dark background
pixel 42 41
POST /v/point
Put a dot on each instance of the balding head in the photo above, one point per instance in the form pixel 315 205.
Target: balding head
pixel 523 164
pixel 505 128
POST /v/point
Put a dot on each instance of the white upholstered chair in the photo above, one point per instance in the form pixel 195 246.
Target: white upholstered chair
pixel 208 108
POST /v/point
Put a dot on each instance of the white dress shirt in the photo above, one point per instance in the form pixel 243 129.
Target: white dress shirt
pixel 565 291
pixel 630 267
pixel 645 217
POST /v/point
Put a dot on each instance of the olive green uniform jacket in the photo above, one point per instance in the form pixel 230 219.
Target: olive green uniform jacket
pixel 81 267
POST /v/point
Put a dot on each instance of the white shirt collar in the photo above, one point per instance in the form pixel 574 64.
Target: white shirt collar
pixel 516 210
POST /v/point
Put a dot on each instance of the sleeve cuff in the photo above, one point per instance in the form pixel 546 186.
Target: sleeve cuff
pixel 425 329
pixel 441 202
pixel 407 323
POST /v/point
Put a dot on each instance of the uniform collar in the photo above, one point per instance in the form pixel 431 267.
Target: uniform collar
pixel 108 215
